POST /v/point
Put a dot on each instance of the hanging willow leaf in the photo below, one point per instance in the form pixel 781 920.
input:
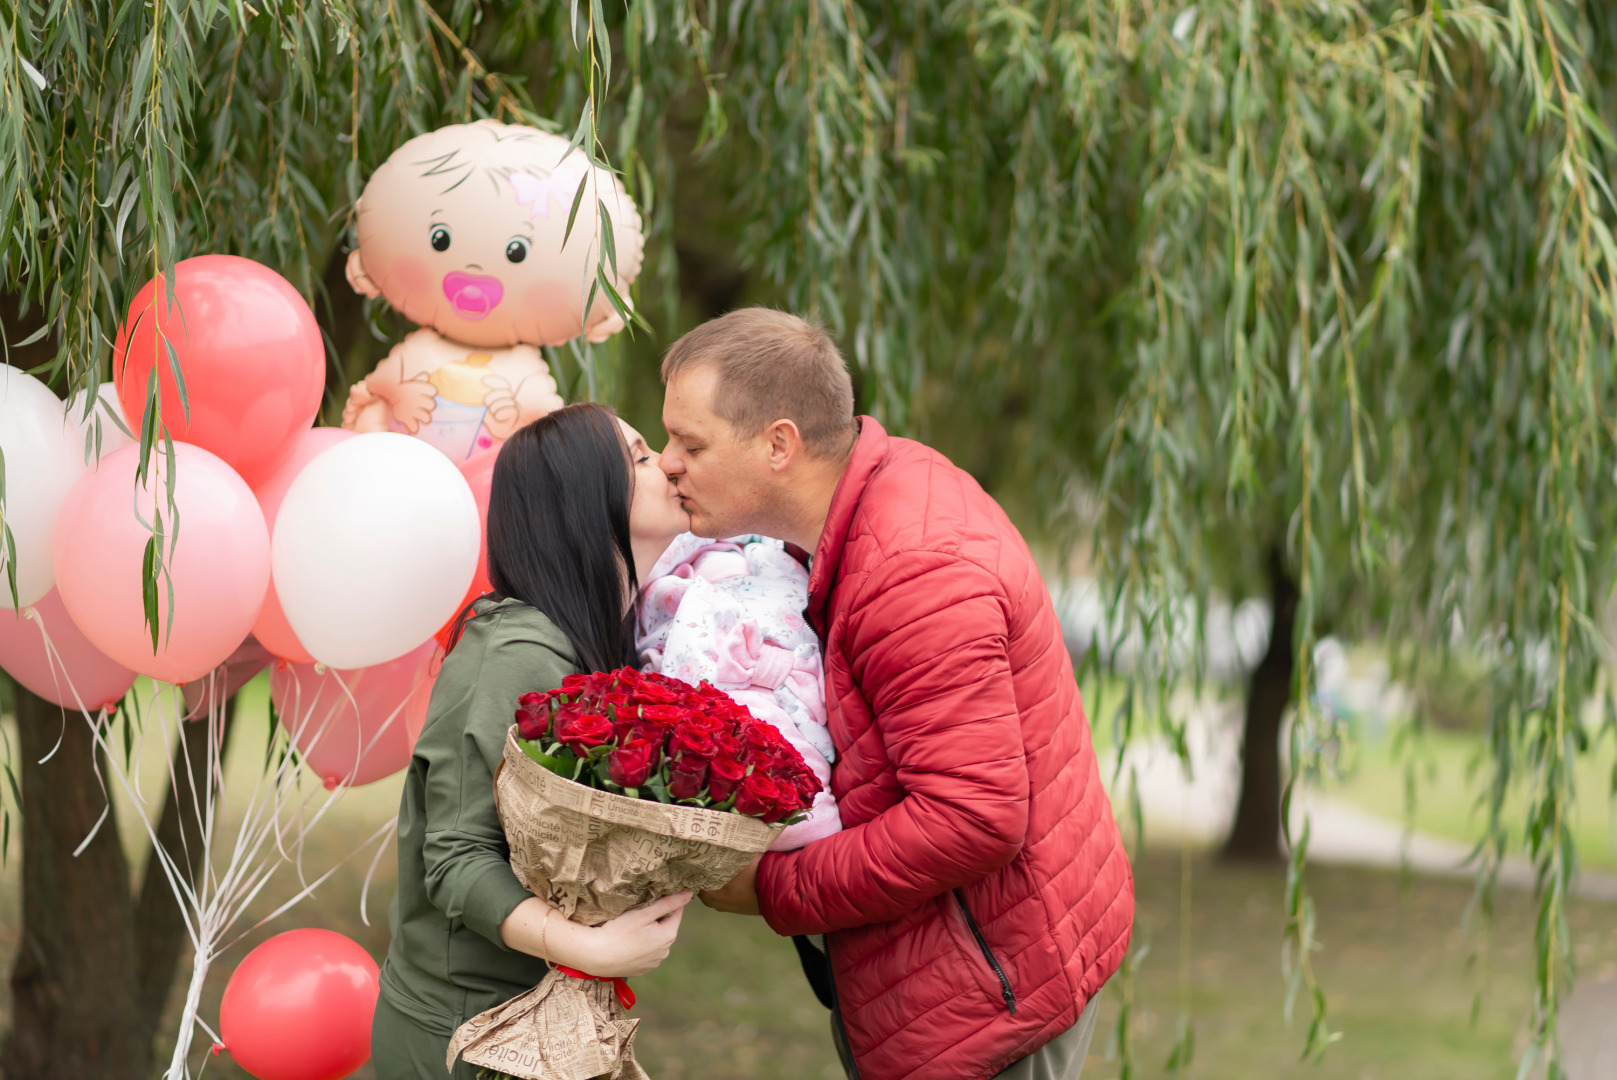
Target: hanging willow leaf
pixel 1190 283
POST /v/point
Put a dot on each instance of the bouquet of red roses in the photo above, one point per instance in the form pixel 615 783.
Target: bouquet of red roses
pixel 615 790
pixel 651 737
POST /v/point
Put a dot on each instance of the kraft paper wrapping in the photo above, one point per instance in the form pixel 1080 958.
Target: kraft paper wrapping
pixel 594 855
pixel 562 1029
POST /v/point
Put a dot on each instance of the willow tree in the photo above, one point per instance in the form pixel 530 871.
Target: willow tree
pixel 1313 301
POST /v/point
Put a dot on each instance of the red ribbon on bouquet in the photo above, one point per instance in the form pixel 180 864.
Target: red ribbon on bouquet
pixel 625 995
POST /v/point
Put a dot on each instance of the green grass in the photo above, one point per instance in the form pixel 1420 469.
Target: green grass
pixel 731 1002
pixel 1452 773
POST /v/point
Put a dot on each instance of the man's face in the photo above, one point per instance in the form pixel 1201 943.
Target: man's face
pixel 724 482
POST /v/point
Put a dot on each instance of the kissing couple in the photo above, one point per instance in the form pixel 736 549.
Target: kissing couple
pixel 958 894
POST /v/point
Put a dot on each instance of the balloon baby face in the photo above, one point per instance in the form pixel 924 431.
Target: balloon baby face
pixel 462 229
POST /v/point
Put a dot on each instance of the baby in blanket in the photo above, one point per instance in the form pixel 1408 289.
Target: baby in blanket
pixel 731 612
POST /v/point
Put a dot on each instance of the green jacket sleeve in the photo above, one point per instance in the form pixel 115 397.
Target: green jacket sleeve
pixel 468 868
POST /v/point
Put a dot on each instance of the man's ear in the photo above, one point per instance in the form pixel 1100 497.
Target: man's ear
pixel 785 444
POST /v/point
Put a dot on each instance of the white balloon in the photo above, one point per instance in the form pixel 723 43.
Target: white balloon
pixel 101 426
pixel 374 548
pixel 43 459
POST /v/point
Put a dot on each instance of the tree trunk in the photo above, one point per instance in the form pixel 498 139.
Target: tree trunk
pixel 160 934
pixel 1255 836
pixel 74 1009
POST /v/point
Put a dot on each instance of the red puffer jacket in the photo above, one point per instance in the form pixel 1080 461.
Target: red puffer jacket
pixel 979 895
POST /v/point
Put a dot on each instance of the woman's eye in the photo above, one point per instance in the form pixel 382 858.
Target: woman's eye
pixel 516 250
pixel 439 237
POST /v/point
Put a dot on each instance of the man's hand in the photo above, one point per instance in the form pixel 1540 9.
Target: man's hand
pixel 740 896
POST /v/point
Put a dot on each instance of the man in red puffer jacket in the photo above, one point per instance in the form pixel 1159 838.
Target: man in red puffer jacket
pixel 979 895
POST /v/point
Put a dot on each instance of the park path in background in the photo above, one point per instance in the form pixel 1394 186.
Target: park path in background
pixel 1199 808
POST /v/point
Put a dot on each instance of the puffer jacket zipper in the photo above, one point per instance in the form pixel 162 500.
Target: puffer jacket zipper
pixel 988 954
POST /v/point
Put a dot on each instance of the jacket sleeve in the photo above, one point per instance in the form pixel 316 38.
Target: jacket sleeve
pixel 927 647
pixel 468 867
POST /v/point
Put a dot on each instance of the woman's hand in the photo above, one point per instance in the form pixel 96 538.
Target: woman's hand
pixel 631 944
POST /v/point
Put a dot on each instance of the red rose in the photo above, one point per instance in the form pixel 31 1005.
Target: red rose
pixel 583 730
pixel 654 693
pixel 727 744
pixel 572 684
pixel 532 720
pixel 762 737
pixel 759 796
pixel 723 776
pixel 693 743
pixel 663 714
pixel 686 778
pixel 808 785
pixel 630 765
pixel 628 678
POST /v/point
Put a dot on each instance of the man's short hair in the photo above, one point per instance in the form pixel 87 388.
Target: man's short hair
pixel 772 366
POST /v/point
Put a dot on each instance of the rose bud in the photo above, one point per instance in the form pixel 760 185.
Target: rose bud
pixel 583 731
pixel 630 766
pixel 692 743
pixel 759 796
pixel 722 778
pixel 686 778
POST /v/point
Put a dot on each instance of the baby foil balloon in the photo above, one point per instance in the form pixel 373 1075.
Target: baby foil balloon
pixel 462 231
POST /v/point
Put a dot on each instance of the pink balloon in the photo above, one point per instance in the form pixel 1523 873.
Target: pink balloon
pixel 358 735
pixel 82 675
pixel 272 630
pixel 299 1007
pixel 249 349
pixel 218 568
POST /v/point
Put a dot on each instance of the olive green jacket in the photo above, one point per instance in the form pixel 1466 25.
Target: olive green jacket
pixel 456 887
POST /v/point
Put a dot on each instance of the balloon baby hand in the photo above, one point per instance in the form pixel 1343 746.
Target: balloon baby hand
pixel 504 414
pixel 364 411
pixel 412 399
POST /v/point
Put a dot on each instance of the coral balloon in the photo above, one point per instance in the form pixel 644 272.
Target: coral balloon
pixel 299 1007
pixel 80 676
pixel 272 630
pixel 479 474
pixel 217 571
pixel 375 544
pixel 415 709
pixel 44 458
pixel 352 727
pixel 248 347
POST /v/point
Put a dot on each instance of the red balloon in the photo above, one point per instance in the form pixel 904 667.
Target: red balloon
pixel 272 630
pixel 299 1007
pixel 479 473
pixel 248 347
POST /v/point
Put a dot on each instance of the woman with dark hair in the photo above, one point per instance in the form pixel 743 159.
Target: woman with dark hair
pixel 576 497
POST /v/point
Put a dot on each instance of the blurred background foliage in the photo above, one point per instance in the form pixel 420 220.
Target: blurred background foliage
pixel 1311 301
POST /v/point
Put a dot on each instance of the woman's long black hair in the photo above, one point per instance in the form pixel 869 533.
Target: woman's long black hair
pixel 558 529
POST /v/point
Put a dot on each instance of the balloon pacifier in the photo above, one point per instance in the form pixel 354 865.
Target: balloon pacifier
pixel 473 295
